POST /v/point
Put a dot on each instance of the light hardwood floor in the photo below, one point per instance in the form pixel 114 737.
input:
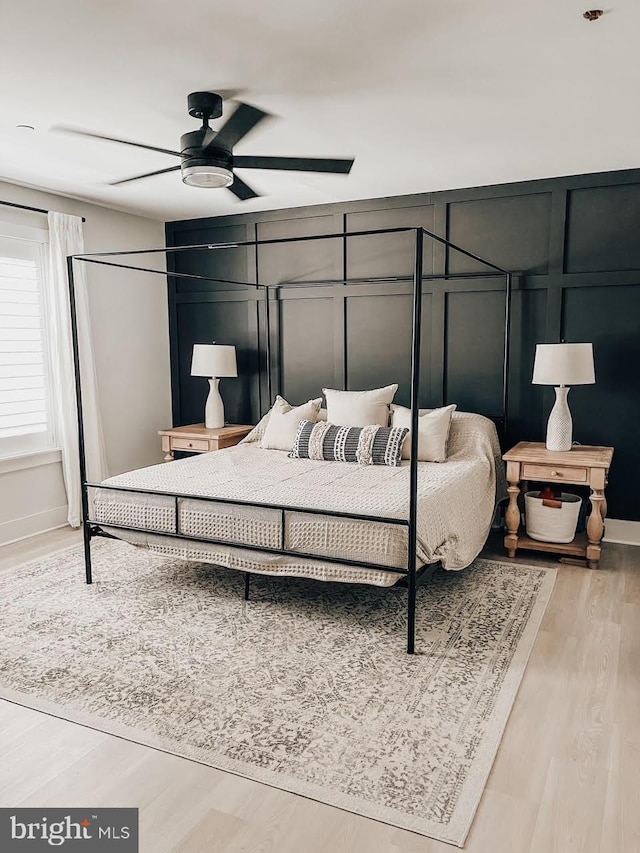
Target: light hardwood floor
pixel 566 778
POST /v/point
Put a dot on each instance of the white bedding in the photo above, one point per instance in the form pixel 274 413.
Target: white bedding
pixel 456 501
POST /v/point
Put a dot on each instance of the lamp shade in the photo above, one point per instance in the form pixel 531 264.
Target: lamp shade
pixel 564 364
pixel 213 360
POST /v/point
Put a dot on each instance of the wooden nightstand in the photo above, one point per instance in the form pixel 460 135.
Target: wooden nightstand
pixel 583 465
pixel 196 438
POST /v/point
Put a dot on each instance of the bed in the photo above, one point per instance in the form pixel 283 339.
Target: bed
pixel 456 502
pixel 260 511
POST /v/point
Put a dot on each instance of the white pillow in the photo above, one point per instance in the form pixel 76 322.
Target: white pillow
pixel 359 408
pixel 281 428
pixel 258 431
pixel 433 432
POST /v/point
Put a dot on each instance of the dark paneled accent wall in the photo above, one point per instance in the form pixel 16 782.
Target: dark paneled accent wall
pixel 574 241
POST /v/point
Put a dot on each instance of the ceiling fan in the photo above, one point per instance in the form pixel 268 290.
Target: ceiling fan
pixel 207 158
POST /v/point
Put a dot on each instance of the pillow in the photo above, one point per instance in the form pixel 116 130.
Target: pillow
pixel 433 432
pixel 369 445
pixel 359 408
pixel 280 430
pixel 258 431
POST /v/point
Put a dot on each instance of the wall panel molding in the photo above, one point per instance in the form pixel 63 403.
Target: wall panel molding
pixel 573 240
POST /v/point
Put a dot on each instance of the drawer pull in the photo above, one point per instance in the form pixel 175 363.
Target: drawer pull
pixel 556 474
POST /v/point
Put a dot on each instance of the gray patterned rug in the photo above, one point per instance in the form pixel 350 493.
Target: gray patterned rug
pixel 306 687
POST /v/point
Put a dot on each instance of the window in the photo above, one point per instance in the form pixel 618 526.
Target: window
pixel 26 405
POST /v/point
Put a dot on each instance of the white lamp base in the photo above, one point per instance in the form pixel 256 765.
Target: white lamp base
pixel 214 407
pixel 560 425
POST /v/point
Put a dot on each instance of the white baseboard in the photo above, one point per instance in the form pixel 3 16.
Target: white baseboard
pixel 622 532
pixel 31 525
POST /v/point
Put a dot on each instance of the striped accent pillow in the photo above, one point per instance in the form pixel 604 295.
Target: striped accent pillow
pixel 369 445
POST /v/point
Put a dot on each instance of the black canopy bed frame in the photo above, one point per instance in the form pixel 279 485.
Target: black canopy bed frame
pixel 92 529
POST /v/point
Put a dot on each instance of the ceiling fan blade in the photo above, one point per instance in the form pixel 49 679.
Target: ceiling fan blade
pixel 244 119
pixel 241 190
pixel 295 164
pixel 228 94
pixel 145 175
pixel 115 139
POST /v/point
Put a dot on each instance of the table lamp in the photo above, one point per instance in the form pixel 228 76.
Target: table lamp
pixel 562 365
pixel 214 361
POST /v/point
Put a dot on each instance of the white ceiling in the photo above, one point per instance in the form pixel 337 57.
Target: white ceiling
pixel 426 94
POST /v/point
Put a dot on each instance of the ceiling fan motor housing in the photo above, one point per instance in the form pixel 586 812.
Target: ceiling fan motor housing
pixel 191 148
pixel 204 164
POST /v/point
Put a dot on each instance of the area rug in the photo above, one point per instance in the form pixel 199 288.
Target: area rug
pixel 306 687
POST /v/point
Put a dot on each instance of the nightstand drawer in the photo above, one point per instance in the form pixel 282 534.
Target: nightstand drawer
pixel 189 444
pixel 196 438
pixel 548 473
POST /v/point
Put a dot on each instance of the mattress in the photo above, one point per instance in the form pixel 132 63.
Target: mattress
pixel 456 501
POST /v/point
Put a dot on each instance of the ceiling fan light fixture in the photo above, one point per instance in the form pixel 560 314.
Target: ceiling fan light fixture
pixel 208 177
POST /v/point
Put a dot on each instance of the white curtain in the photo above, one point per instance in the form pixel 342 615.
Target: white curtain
pixel 65 238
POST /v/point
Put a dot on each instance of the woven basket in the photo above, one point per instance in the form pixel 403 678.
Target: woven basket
pixel 552 524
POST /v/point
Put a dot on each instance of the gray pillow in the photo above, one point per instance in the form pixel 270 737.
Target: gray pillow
pixel 369 445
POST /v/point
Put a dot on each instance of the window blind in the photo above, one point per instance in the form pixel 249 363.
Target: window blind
pixel 25 405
